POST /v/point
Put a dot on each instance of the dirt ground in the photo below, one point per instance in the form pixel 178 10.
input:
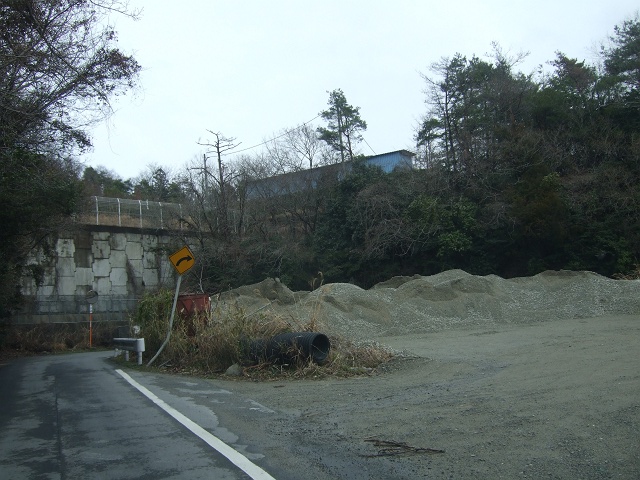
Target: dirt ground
pixel 526 378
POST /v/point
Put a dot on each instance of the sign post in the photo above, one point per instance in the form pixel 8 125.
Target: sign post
pixel 182 261
pixel 92 297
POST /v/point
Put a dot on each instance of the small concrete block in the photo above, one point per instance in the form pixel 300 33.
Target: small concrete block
pixel 119 289
pixel 150 277
pixel 118 277
pixel 65 247
pixel 101 249
pixel 134 250
pixel 101 268
pixel 103 286
pixel 81 292
pixel 66 286
pixel 118 241
pixel 101 236
pixel 135 265
pixel 149 242
pixel 82 240
pixel 118 259
pixel 66 267
pixel 149 261
pixel 84 277
pixel 83 257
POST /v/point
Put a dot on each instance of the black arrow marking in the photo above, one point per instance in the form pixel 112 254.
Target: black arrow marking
pixel 184 259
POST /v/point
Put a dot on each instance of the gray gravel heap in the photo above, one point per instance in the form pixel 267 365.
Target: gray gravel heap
pixel 419 304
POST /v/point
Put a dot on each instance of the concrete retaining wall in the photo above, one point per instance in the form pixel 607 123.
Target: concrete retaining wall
pixel 118 263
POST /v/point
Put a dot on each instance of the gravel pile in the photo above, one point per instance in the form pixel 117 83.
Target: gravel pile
pixel 452 299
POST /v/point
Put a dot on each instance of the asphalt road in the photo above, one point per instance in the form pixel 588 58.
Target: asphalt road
pixel 77 417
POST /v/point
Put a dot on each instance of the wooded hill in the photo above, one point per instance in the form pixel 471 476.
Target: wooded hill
pixel 516 174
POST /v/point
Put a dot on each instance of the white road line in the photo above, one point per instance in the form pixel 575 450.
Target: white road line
pixel 239 460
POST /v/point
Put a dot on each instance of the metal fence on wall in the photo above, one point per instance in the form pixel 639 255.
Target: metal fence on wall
pixel 123 212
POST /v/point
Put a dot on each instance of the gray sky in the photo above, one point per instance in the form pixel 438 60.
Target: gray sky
pixel 251 68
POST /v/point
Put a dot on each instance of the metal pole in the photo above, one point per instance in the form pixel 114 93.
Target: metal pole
pixel 173 310
pixel 90 326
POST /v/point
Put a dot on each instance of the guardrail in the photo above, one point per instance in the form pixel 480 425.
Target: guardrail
pixel 129 345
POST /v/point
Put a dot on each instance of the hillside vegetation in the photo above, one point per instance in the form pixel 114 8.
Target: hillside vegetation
pixel 516 174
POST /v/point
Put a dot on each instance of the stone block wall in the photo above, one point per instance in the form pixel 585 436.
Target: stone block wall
pixel 118 263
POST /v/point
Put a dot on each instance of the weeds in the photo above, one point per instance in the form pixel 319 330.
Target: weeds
pixel 632 275
pixel 56 337
pixel 209 342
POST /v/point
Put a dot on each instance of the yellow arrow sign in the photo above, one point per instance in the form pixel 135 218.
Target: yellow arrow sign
pixel 182 260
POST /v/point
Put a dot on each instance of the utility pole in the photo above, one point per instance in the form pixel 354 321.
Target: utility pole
pixel 205 173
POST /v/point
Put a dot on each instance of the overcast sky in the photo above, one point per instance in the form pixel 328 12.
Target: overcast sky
pixel 251 68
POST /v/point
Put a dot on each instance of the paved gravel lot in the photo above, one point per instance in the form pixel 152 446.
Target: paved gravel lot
pixel 526 378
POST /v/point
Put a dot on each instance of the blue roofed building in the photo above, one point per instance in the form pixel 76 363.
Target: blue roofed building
pixel 392 161
pixel 293 182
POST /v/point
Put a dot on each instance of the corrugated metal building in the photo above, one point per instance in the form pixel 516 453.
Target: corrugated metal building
pixel 292 182
pixel 391 161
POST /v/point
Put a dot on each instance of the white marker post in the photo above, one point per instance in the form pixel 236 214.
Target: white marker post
pixel 92 297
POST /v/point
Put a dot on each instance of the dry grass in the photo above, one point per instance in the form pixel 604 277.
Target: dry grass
pixel 632 275
pixel 205 344
pixel 55 337
pixel 208 343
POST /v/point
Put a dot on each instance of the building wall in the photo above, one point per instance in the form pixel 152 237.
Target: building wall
pixel 389 162
pixel 292 182
pixel 118 263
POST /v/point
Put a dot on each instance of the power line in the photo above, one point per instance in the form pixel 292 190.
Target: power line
pixel 279 136
pixel 289 131
pixel 365 141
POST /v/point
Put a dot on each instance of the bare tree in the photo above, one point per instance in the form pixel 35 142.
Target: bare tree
pixel 223 176
pixel 298 148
